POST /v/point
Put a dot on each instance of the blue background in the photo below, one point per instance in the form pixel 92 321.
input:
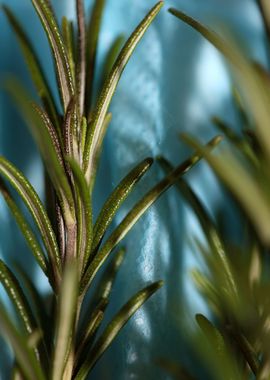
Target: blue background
pixel 174 82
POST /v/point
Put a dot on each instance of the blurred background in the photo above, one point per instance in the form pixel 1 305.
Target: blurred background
pixel 175 82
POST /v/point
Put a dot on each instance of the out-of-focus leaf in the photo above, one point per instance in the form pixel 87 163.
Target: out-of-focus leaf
pixel 265 11
pixel 255 89
pixel 241 143
pixel 92 43
pixel 213 237
pixel 66 315
pixel 116 199
pixel 244 187
pixel 64 75
pixel 26 229
pixel 111 331
pixel 111 84
pixel 16 295
pixel 136 212
pixel 175 369
pixel 225 365
pixel 34 205
pixel 35 68
pixel 24 355
pixel 81 59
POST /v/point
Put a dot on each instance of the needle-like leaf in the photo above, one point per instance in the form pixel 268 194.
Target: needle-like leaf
pixel 35 68
pixel 110 87
pixel 33 203
pixel 116 199
pixel 254 87
pixel 241 183
pixel 16 295
pixel 81 59
pixel 92 43
pixel 66 315
pixel 24 355
pixel 134 215
pixel 118 322
pixel 63 70
pixel 26 229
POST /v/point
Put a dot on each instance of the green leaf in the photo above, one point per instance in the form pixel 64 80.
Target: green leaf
pixel 208 226
pixel 96 152
pixel 175 370
pixel 111 84
pixel 47 141
pixel 85 241
pixel 35 68
pixel 134 215
pixel 92 43
pixel 117 323
pixel 34 205
pixel 111 57
pixel 244 187
pixel 63 69
pixel 81 59
pixel 255 89
pixel 26 229
pixel 24 355
pixel 116 199
pixel 66 316
pixel 68 37
pixel 17 297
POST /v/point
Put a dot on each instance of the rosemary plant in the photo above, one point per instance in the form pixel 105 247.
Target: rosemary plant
pixel 234 280
pixel 58 341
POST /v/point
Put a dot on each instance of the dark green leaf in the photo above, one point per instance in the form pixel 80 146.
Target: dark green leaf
pixel 66 315
pixel 116 199
pixel 92 43
pixel 24 355
pixel 134 215
pixel 26 229
pixel 112 330
pixel 33 203
pixel 17 297
pixel 35 68
pixel 63 70
pixel 110 87
pixel 81 60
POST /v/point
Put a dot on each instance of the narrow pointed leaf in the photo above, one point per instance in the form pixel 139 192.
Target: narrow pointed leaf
pixel 92 44
pixel 34 205
pixel 112 56
pixel 85 202
pixel 111 84
pixel 26 229
pixel 134 215
pixel 35 68
pixel 17 297
pixel 24 355
pixel 254 88
pixel 68 37
pixel 96 152
pixel 208 226
pixel 66 319
pixel 118 322
pixel 116 199
pixel 244 187
pixel 47 141
pixel 81 61
pixel 63 70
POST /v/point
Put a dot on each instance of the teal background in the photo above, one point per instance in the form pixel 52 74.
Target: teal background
pixel 174 82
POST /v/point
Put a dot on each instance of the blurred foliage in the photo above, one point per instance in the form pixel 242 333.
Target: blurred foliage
pixel 234 278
